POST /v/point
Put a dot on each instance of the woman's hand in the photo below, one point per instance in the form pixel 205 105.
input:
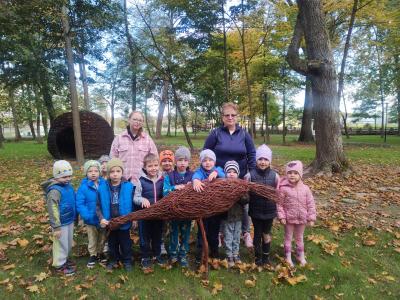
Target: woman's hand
pixel 57 233
pixel 283 221
pixel 198 186
pixel 212 176
pixel 145 203
pixel 310 223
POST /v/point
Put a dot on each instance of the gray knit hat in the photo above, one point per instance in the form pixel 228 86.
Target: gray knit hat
pixel 207 153
pixel 89 164
pixel 182 152
pixel 231 164
pixel 104 158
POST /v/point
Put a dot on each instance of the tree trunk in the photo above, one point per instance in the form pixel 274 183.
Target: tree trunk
pixel 32 128
pixel 343 64
pixel 320 66
pixel 38 131
pixel 284 117
pixel 176 118
pixel 306 134
pixel 132 58
pixel 226 81
pixel 72 88
pixel 44 122
pixel 146 116
pixel 14 115
pixel 1 136
pixel 82 71
pixel 45 90
pixel 266 137
pixel 169 118
pixel 161 108
pixel 397 62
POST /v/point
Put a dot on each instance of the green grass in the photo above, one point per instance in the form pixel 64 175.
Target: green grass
pixel 359 272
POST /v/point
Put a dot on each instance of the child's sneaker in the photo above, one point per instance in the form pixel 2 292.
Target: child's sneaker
pixel 92 262
pixel 183 262
pixel 111 265
pixel 65 270
pixel 231 262
pixel 71 264
pixel 146 264
pixel 128 267
pixel 102 258
pixel 237 259
pixel 288 259
pixel 160 260
pixel 301 258
pixel 248 241
pixel 163 250
pixel 173 260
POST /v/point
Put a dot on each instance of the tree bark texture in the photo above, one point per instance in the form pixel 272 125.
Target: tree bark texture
pixel 306 134
pixel 45 90
pixel 161 108
pixel 72 88
pixel 132 58
pixel 320 66
pixel 14 115
pixel 82 71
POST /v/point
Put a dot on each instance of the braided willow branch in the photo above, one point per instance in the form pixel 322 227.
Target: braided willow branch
pixel 218 196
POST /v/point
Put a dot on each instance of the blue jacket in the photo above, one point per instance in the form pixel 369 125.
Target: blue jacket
pixel 237 146
pixel 67 202
pixel 174 178
pixel 202 174
pixel 151 190
pixel 125 201
pixel 86 200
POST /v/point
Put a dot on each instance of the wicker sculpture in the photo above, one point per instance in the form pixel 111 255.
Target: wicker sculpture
pixel 97 136
pixel 217 197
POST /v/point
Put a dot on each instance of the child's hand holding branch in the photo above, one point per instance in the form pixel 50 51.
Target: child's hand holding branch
pixel 198 186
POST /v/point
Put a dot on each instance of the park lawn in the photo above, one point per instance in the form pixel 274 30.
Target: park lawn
pixel 353 271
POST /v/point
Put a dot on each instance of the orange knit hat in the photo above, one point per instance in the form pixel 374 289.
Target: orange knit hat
pixel 167 154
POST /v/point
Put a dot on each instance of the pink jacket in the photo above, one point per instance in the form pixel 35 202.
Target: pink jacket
pixel 296 204
pixel 132 153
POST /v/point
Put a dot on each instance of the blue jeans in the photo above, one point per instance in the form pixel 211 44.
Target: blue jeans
pixel 179 228
pixel 232 232
pixel 246 219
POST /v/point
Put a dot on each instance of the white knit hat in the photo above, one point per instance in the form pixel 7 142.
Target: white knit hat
pixel 207 153
pixel 62 168
pixel 264 151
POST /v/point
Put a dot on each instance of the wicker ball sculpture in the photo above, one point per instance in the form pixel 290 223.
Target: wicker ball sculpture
pixel 97 136
pixel 218 196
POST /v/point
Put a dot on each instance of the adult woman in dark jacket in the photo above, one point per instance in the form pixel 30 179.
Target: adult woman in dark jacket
pixel 232 142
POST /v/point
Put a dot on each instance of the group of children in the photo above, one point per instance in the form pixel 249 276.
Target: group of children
pixel 105 194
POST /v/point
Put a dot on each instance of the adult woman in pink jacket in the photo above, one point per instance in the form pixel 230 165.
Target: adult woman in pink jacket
pixel 132 145
pixel 296 209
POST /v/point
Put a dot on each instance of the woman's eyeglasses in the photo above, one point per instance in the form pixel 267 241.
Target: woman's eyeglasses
pixel 230 115
pixel 137 120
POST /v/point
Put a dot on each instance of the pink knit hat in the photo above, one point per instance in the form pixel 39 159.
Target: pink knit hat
pixel 295 165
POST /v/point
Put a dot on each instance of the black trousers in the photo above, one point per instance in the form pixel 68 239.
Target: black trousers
pixel 120 246
pixel 150 233
pixel 260 227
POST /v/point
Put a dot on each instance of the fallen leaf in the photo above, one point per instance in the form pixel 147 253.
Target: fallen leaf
pixel 42 276
pixel 8 267
pixel 295 280
pixel 216 288
pixel 369 243
pixel 250 283
pixel 23 243
pixel 10 287
pixel 33 288
pixel 5 281
pixel 83 297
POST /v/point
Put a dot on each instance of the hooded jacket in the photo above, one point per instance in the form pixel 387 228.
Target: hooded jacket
pixel 148 188
pixel 296 204
pixel 86 200
pixel 60 202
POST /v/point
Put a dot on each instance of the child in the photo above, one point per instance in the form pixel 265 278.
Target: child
pixel 103 160
pixel 167 165
pixel 167 161
pixel 177 180
pixel 261 210
pixel 233 223
pixel 295 209
pixel 86 202
pixel 116 200
pixel 150 190
pixel 208 170
pixel 60 201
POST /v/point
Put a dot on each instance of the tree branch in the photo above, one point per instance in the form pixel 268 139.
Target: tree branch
pixel 292 57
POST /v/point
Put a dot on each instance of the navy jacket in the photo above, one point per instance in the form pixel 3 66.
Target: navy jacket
pixel 86 200
pixel 237 146
pixel 67 202
pixel 260 207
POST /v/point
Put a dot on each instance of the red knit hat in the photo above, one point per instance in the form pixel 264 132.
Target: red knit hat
pixel 167 154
